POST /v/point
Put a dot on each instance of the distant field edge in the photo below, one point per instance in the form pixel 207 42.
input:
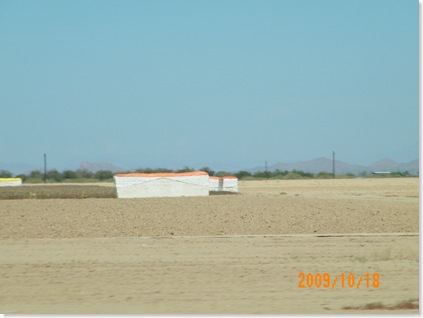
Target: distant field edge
pixel 271 235
pixel 234 236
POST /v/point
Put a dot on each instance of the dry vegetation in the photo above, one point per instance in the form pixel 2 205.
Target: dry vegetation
pixel 66 191
pixel 404 305
pixel 56 191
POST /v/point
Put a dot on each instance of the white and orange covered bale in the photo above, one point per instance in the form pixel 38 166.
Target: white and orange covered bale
pixel 10 182
pixel 145 185
pixel 216 183
pixel 230 183
pixel 226 183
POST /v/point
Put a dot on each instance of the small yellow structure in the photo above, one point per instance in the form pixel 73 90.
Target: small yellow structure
pixel 10 182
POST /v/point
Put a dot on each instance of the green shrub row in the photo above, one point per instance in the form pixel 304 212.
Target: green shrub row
pixel 81 175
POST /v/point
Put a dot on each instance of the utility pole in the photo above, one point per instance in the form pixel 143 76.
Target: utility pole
pixel 265 169
pixel 45 168
pixel 333 164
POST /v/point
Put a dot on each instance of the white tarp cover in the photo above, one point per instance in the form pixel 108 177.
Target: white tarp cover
pixel 227 183
pixel 230 183
pixel 216 184
pixel 145 185
pixel 10 182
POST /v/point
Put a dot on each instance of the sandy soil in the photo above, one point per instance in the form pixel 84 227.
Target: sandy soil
pixel 218 254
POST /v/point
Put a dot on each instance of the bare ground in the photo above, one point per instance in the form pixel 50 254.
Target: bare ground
pixel 219 254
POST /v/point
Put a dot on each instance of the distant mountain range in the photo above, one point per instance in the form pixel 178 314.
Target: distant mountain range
pixel 313 166
pixel 324 164
pixel 96 166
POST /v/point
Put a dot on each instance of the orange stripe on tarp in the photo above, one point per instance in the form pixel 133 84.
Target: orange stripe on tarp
pixel 162 175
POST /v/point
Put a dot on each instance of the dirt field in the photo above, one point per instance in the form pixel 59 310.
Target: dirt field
pixel 219 254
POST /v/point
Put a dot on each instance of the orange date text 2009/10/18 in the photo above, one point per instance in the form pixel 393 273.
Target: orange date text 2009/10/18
pixel 343 280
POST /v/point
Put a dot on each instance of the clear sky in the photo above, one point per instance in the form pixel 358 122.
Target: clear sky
pixel 220 83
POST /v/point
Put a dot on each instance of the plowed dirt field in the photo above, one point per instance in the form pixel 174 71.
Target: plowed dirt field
pixel 356 242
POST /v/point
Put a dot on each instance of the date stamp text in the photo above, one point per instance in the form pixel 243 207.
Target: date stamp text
pixel 343 280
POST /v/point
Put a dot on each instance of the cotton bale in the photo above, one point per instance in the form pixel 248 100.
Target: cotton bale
pixel 226 183
pixel 10 182
pixel 230 184
pixel 216 184
pixel 145 185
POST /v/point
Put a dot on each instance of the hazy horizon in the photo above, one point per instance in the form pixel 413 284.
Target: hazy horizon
pixel 19 168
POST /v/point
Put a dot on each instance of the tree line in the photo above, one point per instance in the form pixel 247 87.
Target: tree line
pixel 82 175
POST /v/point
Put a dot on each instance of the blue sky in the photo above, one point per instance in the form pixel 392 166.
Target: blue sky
pixel 220 83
